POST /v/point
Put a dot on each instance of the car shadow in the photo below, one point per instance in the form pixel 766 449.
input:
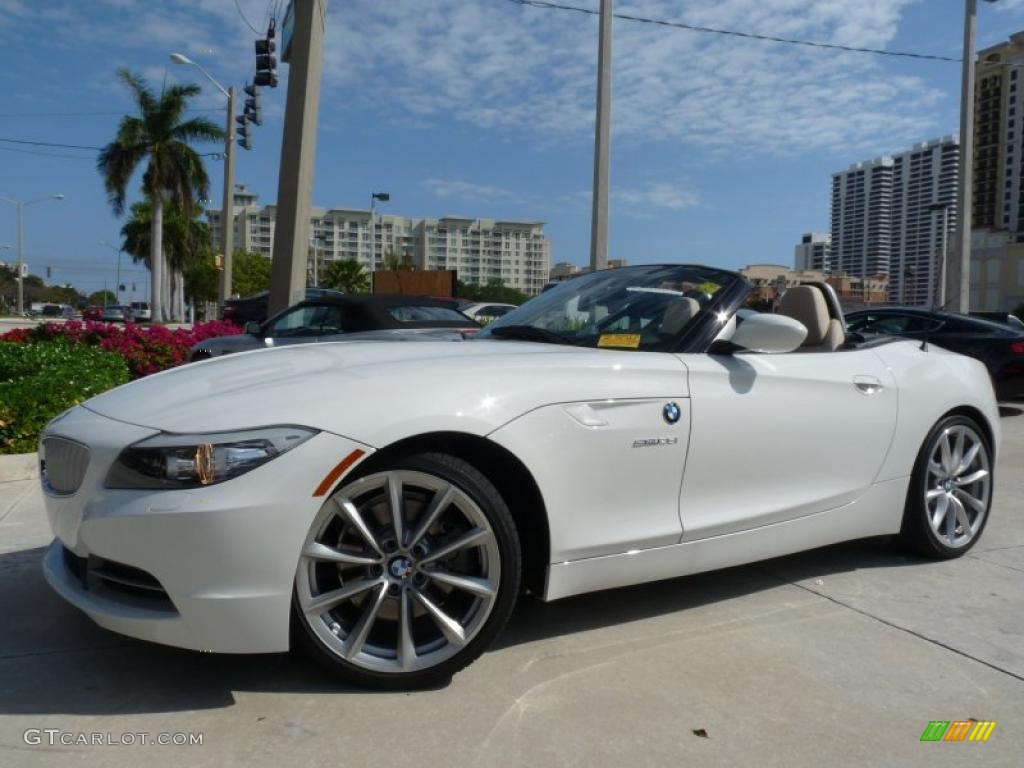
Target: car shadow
pixel 54 660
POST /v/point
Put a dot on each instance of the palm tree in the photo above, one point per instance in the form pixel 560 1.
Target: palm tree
pixel 175 172
pixel 186 242
pixel 345 275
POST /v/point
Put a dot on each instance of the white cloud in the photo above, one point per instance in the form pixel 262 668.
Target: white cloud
pixel 657 195
pixel 457 189
pixel 518 69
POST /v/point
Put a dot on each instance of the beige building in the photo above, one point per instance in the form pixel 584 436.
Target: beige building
pixel 565 269
pixel 997 271
pixel 771 280
pixel 479 250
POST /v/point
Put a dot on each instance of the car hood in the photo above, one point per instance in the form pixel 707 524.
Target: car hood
pixel 377 392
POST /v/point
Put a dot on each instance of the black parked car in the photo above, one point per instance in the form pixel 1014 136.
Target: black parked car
pixel 347 317
pixel 1003 318
pixel 254 308
pixel 999 346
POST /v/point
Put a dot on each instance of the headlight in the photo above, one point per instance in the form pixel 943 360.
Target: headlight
pixel 193 461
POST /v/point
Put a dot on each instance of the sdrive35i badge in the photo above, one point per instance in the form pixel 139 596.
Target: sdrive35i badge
pixel 671 412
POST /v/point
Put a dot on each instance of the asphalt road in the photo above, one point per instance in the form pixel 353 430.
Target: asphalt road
pixel 836 657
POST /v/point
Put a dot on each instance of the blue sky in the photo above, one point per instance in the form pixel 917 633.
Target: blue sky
pixel 722 147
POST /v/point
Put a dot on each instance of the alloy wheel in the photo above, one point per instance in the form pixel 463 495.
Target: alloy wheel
pixel 958 485
pixel 399 572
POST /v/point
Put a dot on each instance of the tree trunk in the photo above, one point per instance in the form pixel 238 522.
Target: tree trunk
pixel 156 260
pixel 165 285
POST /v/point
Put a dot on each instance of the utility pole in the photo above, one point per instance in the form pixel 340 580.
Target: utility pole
pixel 960 277
pixel 227 216
pixel 602 140
pixel 298 152
pixel 938 289
pixel 374 197
pixel 20 208
pixel 21 258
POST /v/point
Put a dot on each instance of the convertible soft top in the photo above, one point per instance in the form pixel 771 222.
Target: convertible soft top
pixel 370 312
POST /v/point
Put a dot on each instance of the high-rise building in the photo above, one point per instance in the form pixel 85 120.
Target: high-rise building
pixel 998 195
pixel 479 250
pixel 887 218
pixel 997 239
pixel 814 251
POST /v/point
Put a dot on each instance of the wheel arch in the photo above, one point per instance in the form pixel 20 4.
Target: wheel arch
pixel 983 422
pixel 509 475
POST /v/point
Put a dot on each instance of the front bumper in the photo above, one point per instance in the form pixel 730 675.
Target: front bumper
pixel 224 556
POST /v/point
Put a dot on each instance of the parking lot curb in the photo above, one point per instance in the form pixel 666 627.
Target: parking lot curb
pixel 19 466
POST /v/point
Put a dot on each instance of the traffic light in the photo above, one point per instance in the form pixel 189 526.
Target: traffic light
pixel 253 113
pixel 244 140
pixel 49 272
pixel 266 63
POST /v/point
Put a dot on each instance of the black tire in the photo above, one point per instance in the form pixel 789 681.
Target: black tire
pixel 480 490
pixel 916 534
pixel 200 356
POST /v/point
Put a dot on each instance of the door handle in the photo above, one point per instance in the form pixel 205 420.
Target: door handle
pixel 867 385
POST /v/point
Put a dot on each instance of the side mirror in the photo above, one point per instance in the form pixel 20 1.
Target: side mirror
pixel 252 328
pixel 769 333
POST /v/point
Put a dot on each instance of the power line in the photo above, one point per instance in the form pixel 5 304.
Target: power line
pixel 49 144
pixel 250 26
pixel 732 33
pixel 93 113
pixel 45 154
pixel 217 155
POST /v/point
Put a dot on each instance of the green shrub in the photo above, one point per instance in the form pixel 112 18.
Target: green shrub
pixel 38 381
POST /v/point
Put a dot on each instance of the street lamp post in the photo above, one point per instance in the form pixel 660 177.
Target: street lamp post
pixel 227 216
pixel 908 272
pixel 939 285
pixel 117 276
pixel 20 206
pixel 374 197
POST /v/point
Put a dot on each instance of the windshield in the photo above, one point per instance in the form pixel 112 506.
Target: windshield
pixel 644 307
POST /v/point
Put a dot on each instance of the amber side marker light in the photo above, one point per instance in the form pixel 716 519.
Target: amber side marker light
pixel 332 477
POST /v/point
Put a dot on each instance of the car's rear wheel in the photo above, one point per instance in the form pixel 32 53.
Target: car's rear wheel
pixel 407 574
pixel 950 490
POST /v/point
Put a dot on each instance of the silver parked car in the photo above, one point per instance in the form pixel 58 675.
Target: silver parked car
pixel 118 314
pixel 347 317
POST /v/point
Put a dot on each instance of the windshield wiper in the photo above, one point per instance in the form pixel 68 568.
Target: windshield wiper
pixel 530 333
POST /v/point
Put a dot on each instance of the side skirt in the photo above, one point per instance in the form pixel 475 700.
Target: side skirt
pixel 878 512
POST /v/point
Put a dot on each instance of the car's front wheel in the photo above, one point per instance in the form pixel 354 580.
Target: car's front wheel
pixel 950 490
pixel 407 573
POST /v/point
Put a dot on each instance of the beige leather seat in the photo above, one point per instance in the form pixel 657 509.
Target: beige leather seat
pixel 678 313
pixel 806 304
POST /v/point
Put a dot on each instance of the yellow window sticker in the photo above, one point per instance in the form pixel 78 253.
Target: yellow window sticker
pixel 621 340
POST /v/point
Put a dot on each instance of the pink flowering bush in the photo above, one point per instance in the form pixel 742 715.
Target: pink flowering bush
pixel 145 348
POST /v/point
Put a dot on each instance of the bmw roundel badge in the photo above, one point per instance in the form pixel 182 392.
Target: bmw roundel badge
pixel 671 413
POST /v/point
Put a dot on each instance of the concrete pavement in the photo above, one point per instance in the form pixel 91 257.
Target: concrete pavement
pixel 840 656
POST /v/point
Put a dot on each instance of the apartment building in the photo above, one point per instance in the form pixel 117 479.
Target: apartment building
pixel 997 191
pixel 814 251
pixel 887 218
pixel 479 250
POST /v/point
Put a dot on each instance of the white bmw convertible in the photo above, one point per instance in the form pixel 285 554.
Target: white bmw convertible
pixel 384 505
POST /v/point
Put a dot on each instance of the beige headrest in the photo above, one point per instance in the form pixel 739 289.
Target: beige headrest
pixel 806 304
pixel 678 313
